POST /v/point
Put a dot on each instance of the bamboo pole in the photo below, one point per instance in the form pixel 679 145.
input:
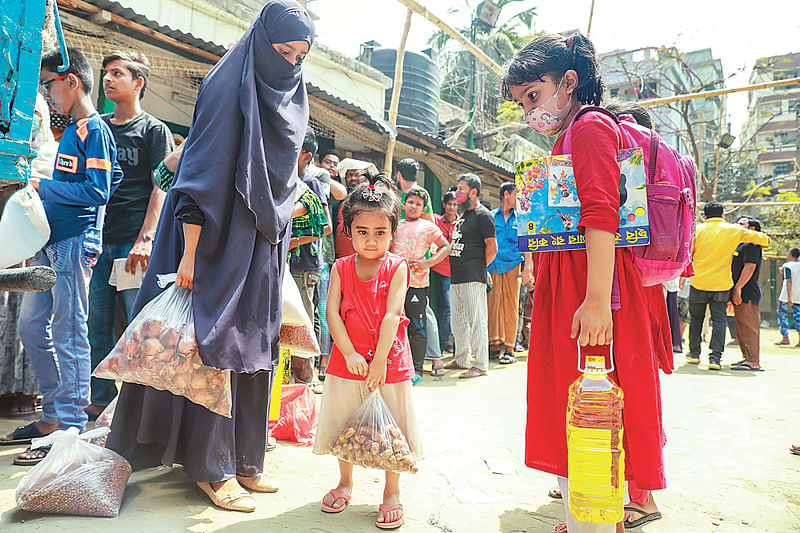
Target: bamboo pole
pixel 396 87
pixel 718 92
pixel 591 16
pixel 416 7
pixel 755 204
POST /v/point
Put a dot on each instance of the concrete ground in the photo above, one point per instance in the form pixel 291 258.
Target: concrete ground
pixel 727 460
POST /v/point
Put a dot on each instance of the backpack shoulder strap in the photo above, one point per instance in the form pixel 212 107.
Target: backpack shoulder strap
pixel 579 114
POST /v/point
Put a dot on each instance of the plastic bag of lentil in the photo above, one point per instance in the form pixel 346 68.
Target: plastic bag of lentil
pixel 76 478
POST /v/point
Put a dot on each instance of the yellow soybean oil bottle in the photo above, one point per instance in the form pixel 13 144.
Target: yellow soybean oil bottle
pixel 596 460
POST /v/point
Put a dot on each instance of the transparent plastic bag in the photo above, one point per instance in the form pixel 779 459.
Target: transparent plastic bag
pixel 300 340
pixel 372 438
pixel 77 477
pixel 104 421
pixel 159 349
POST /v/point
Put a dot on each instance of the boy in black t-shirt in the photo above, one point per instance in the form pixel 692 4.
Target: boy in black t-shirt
pixel 746 295
pixel 473 248
pixel 143 142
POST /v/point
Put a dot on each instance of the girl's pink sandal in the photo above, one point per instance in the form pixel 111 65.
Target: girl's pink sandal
pixel 386 509
pixel 336 496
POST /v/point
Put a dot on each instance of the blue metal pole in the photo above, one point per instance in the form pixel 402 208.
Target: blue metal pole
pixel 62 45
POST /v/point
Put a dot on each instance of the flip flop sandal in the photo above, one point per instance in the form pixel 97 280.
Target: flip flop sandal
pixel 24 435
pixel 746 367
pixel 473 373
pixel 20 461
pixel 555 493
pixel 452 365
pixel 795 449
pixel 336 496
pixel 16 412
pixel 507 358
pixel 321 373
pixel 386 509
pixel 437 371
pixel 645 518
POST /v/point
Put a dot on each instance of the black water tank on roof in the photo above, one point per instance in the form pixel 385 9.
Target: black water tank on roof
pixel 419 95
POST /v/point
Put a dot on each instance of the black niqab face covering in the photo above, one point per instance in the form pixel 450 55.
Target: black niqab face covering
pixel 249 123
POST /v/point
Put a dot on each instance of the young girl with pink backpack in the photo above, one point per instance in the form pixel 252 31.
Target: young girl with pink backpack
pixel 553 78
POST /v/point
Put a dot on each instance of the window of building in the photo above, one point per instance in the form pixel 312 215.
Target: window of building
pixel 782 167
pixel 784 75
pixel 794 106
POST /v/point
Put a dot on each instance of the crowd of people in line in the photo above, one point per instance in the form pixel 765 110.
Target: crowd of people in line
pixel 389 279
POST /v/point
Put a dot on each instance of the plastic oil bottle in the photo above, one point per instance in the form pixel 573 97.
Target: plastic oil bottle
pixel 596 459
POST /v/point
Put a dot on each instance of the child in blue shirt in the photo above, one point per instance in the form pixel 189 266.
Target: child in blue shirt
pixel 53 323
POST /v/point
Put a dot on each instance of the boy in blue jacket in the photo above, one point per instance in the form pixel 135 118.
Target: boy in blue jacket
pixel 53 323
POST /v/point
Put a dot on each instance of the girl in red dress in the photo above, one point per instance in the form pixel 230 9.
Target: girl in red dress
pixel 551 78
pixel 365 315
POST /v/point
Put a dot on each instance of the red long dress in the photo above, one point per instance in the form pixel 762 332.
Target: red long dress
pixel 641 329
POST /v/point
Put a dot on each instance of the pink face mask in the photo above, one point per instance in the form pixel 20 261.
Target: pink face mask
pixel 545 120
pixel 461 197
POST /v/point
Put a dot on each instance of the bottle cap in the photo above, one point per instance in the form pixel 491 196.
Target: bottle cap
pixel 596 359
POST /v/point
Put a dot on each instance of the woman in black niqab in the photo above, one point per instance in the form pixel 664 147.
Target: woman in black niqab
pixel 225 229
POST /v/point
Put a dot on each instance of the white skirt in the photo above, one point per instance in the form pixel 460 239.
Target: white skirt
pixel 342 398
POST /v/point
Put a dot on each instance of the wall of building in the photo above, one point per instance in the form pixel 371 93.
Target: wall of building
pixel 347 78
pixel 774 116
pixel 649 73
pixel 220 22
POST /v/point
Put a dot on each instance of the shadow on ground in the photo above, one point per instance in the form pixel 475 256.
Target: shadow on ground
pixel 541 520
pixel 702 370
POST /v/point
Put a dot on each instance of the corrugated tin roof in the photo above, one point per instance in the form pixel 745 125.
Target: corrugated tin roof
pixel 339 101
pixel 130 14
pixel 494 164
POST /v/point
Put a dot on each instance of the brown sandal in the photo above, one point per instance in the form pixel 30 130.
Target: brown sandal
pixel 230 496
pixel 473 373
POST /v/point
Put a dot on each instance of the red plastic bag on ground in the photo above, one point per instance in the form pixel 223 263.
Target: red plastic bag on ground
pixel 299 415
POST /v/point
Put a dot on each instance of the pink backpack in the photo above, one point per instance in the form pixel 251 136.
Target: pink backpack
pixel 671 201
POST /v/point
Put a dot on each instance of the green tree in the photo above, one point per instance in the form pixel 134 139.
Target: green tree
pixel 782 223
pixel 457 64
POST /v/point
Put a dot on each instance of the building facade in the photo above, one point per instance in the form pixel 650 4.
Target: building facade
pixel 694 126
pixel 773 121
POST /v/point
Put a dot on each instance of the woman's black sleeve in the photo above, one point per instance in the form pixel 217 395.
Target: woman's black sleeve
pixel 187 212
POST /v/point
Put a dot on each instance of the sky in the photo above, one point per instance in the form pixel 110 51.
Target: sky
pixel 738 33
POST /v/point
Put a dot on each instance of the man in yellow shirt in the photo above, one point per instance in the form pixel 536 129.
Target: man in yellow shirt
pixel 712 252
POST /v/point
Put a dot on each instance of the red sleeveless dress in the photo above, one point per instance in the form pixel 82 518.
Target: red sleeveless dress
pixel 363 308
pixel 641 329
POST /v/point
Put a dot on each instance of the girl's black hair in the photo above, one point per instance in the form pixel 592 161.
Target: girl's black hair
pixel 553 55
pixel 375 195
pixel 639 113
